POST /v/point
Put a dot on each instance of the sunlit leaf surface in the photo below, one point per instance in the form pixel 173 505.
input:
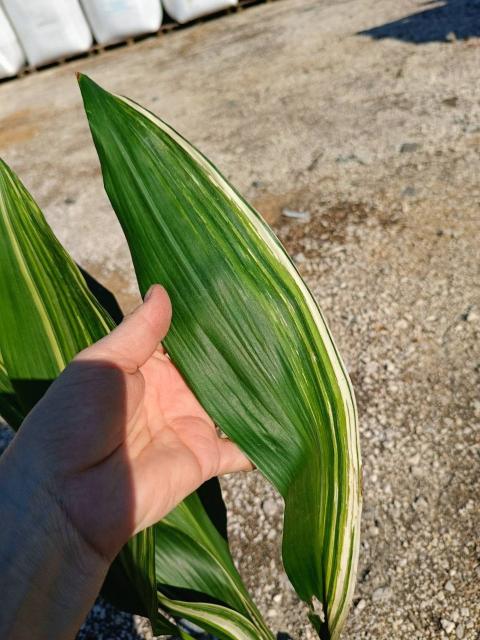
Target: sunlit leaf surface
pixel 247 336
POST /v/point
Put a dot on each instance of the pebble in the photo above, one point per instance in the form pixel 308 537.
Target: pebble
pixel 301 216
pixel 460 631
pixel 371 367
pixel 270 507
pixel 472 316
pixel 447 625
pixel 449 586
pixel 361 604
pixel 414 460
pixel 299 258
pixel 382 594
pixel 409 191
pixel 409 147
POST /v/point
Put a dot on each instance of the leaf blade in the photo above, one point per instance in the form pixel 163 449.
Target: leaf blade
pixel 290 408
pixel 9 407
pixel 48 315
pixel 192 554
pixel 59 319
pixel 224 623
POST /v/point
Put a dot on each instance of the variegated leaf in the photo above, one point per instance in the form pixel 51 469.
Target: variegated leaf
pixel 248 337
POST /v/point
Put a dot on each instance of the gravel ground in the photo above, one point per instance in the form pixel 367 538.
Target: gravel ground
pixel 365 116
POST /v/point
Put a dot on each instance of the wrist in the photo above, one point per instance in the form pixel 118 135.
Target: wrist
pixel 49 573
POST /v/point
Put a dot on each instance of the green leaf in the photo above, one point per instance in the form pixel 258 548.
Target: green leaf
pixel 192 554
pixel 9 408
pixel 247 336
pixel 223 623
pixel 48 316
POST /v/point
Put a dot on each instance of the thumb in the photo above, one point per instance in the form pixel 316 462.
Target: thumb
pixel 137 337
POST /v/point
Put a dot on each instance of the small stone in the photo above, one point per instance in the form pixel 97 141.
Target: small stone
pixel 371 367
pixel 465 612
pixel 318 608
pixel 382 594
pixel 277 598
pixel 299 258
pixel 451 101
pixel 272 613
pixel 409 147
pixel 271 535
pixel 449 586
pixel 301 216
pixel 460 631
pixel 414 460
pixel 389 366
pixel 361 604
pixel 447 625
pixel 472 316
pixel 401 324
pixel 409 191
pixel 270 507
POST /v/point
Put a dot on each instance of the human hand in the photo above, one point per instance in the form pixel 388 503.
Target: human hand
pixel 119 439
pixel 116 442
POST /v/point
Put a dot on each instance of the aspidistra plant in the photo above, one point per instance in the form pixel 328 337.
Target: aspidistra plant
pixel 251 342
pixel 49 315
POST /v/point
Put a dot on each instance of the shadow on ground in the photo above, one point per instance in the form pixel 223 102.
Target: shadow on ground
pixel 439 22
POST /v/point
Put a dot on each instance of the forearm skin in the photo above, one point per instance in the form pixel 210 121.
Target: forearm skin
pixel 49 575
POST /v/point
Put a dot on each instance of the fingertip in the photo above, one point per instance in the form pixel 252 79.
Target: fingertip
pixel 154 291
pixel 157 302
pixel 232 459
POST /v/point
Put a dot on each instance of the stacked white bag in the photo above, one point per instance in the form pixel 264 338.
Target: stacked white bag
pixel 114 20
pixel 49 29
pixel 185 10
pixel 12 57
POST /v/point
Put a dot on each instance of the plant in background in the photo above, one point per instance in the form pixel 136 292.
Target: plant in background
pixel 247 337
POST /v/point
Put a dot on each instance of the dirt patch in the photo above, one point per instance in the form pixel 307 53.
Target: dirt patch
pixel 19 127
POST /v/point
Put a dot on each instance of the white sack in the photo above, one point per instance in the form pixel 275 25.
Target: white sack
pixel 186 10
pixel 12 57
pixel 114 20
pixel 49 29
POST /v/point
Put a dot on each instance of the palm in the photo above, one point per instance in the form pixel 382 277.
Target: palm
pixel 171 430
pixel 130 440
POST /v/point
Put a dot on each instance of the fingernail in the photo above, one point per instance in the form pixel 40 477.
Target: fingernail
pixel 148 295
